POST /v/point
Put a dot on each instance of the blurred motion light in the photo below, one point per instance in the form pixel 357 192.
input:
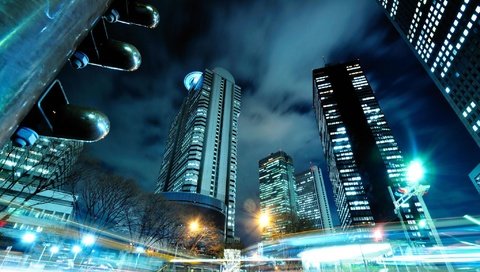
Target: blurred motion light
pixel 88 240
pixel 29 238
pixel 415 171
pixel 471 219
pixel 378 234
pixel 314 256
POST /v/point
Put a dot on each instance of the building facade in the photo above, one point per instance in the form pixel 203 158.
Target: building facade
pixel 363 158
pixel 277 192
pixel 312 199
pixel 444 35
pixel 31 183
pixel 201 152
pixel 475 177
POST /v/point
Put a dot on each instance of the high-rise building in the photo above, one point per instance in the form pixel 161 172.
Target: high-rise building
pixel 45 164
pixel 277 192
pixel 312 198
pixel 363 158
pixel 444 35
pixel 31 183
pixel 201 152
pixel 475 177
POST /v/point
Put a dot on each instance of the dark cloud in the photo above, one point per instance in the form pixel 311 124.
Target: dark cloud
pixel 271 48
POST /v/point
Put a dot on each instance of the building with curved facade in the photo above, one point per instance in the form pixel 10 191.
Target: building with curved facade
pixel 201 152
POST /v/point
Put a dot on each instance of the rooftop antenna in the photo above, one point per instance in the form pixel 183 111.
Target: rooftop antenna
pixel 324 62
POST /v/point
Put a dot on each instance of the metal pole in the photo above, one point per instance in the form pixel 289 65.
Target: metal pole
pixel 435 235
pixel 41 255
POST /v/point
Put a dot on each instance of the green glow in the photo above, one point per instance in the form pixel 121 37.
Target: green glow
pixel 415 171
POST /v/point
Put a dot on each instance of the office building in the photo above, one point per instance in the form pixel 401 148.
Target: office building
pixel 277 192
pixel 362 156
pixel 201 152
pixel 444 35
pixel 475 177
pixel 45 165
pixel 312 198
pixel 31 182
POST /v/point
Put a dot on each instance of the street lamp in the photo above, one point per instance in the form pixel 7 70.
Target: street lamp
pixel 263 220
pixel 88 240
pixel 29 238
pixel 415 172
pixel 76 249
pixel 414 175
pixel 194 226
pixel 54 250
pixel 139 250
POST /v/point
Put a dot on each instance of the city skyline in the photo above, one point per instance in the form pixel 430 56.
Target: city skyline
pixel 273 65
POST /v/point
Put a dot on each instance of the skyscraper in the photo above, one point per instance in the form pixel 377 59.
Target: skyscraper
pixel 362 156
pixel 47 163
pixel 312 198
pixel 444 35
pixel 201 152
pixel 31 182
pixel 277 192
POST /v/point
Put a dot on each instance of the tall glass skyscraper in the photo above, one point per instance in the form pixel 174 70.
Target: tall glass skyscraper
pixel 201 152
pixel 277 192
pixel 362 156
pixel 444 35
pixel 312 198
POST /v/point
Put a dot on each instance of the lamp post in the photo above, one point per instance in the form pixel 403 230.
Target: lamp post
pixel 88 240
pixel 29 239
pixel 414 175
pixel 76 249
pixel 53 250
pixel 139 250
pixel 43 251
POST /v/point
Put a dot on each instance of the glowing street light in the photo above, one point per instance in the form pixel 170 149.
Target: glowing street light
pixel 139 249
pixel 264 220
pixel 415 172
pixel 76 249
pixel 54 250
pixel 29 238
pixel 194 226
pixel 88 240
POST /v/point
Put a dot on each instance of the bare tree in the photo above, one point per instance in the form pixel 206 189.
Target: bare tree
pixel 26 173
pixel 202 237
pixel 102 199
pixel 152 221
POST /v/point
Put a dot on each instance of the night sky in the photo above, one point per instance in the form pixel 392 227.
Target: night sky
pixel 271 48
